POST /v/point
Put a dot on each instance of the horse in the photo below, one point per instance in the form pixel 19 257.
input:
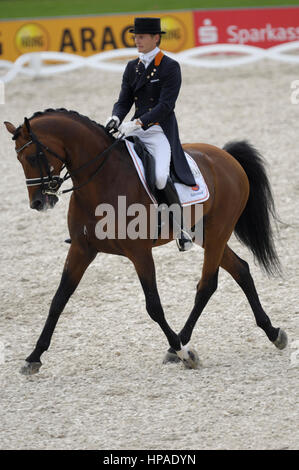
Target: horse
pixel 101 170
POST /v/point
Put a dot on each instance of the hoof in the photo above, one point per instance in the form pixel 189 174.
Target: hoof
pixel 281 340
pixel 192 362
pixel 171 357
pixel 30 368
pixel 189 357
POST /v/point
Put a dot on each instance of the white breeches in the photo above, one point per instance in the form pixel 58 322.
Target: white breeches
pixel 157 144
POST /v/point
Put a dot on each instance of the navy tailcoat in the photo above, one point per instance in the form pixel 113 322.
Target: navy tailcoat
pixel 154 91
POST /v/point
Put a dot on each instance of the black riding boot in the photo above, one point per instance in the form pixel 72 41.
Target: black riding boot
pixel 184 241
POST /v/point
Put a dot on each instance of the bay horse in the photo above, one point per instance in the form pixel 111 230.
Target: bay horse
pixel 101 170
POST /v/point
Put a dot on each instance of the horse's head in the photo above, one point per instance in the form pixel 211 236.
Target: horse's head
pixel 42 161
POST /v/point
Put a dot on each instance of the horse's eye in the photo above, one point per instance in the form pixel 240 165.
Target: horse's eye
pixel 31 160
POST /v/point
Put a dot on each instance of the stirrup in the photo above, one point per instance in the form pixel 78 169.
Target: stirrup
pixel 184 242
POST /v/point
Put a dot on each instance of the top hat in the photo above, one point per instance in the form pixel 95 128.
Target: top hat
pixel 147 26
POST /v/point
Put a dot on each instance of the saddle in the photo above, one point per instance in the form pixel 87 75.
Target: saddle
pixel 148 162
pixel 175 191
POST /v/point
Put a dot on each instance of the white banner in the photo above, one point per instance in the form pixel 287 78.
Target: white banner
pixel 37 64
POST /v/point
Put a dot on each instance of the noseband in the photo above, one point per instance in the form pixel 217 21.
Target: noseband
pixel 51 183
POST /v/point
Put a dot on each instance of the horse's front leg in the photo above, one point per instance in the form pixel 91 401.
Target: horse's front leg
pixel 145 268
pixel 77 261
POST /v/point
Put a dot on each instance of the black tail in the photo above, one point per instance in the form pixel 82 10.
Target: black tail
pixel 254 225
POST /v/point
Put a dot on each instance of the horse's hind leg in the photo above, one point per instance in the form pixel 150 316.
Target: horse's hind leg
pixel 239 270
pixel 145 268
pixel 205 289
pixel 76 263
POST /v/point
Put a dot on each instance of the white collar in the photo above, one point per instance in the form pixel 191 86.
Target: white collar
pixel 149 56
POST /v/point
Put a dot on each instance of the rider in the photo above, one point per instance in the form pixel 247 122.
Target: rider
pixel 152 82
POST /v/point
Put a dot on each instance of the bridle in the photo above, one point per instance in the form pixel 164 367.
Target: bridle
pixel 50 184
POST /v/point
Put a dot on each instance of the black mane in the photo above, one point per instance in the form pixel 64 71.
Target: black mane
pixel 74 114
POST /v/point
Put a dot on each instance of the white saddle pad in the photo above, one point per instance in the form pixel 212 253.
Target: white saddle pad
pixel 188 195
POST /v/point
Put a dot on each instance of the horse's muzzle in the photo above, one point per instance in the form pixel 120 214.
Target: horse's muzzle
pixel 41 201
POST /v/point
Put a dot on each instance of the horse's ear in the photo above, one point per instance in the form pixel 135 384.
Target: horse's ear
pixel 27 125
pixel 10 127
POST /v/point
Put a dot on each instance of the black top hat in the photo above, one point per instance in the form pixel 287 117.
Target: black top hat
pixel 147 26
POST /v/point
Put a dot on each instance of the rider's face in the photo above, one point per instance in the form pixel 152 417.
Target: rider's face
pixel 146 42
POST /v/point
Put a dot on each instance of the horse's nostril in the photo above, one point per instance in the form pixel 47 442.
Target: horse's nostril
pixel 36 204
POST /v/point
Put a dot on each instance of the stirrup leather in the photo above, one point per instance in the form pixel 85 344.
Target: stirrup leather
pixel 183 240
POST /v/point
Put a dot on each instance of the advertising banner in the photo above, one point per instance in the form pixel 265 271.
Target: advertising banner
pixel 260 27
pixel 89 34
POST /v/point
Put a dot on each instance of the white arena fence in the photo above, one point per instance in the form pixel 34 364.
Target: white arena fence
pixel 43 64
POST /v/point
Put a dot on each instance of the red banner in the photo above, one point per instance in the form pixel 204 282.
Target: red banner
pixel 261 27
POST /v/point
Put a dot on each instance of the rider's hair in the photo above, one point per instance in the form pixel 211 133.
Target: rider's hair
pixel 159 40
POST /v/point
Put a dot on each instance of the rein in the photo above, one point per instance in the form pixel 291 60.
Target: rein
pixel 51 183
